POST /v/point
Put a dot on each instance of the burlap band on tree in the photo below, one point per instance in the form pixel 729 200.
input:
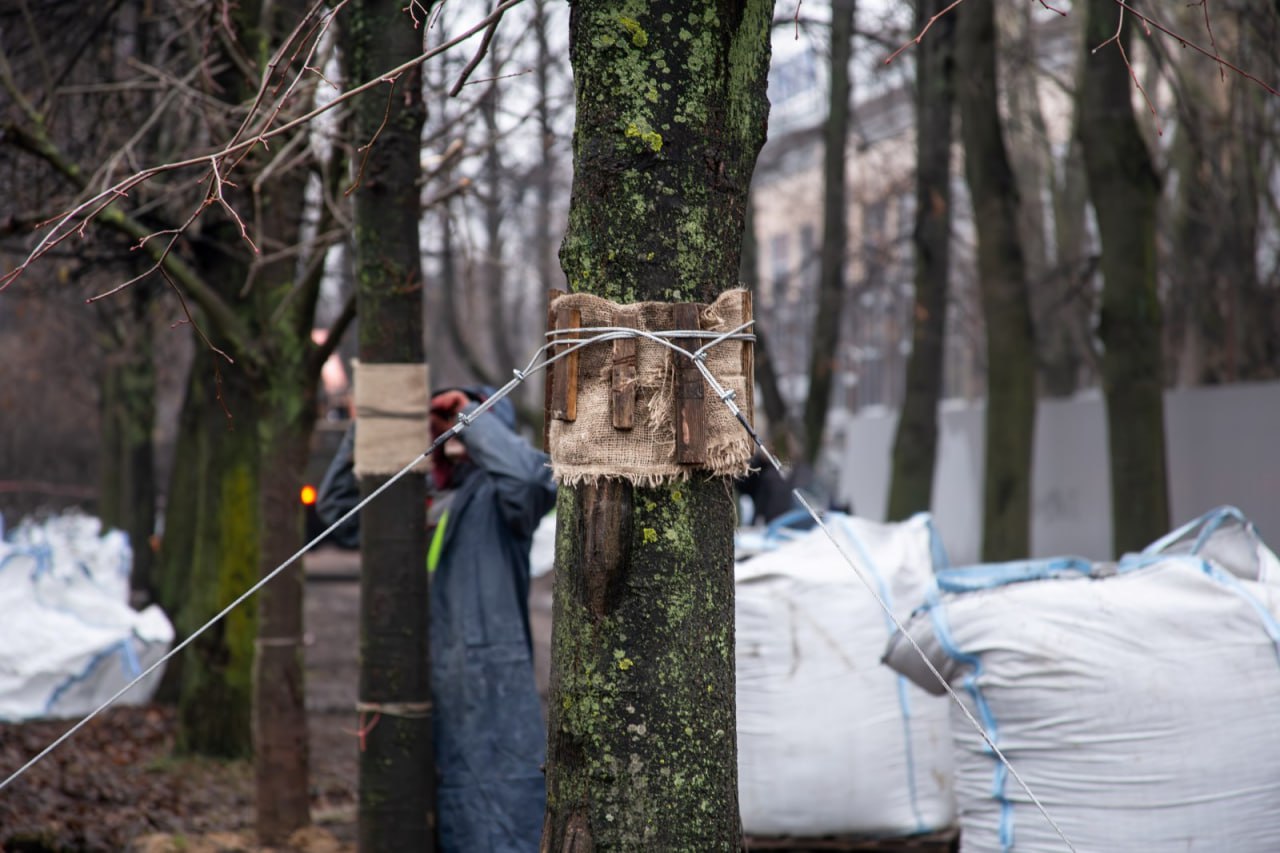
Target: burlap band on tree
pixel 391 417
pixel 632 409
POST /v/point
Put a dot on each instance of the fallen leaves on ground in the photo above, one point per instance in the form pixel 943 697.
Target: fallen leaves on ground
pixel 115 785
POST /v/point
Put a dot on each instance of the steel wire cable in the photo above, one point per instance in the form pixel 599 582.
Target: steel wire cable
pixel 571 340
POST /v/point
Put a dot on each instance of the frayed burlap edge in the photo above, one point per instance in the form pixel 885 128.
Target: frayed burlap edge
pixel 588 450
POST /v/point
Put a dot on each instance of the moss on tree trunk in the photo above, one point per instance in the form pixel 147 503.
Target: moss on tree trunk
pixel 211 553
pixel 397 773
pixel 671 114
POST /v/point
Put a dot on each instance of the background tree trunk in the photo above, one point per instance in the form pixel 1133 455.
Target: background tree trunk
pixel 397 773
pixel 127 490
pixel 545 183
pixel 915 446
pixel 210 556
pixel 1011 391
pixel 781 432
pixel 1125 192
pixel 1055 306
pixel 835 234
pixel 671 113
pixel 281 751
pixel 288 407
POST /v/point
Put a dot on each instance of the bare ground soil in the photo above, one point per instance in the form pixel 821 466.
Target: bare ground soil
pixel 116 786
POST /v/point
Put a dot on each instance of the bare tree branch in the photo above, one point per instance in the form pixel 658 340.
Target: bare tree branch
pixel 78 217
pixel 1147 22
pixel 476 60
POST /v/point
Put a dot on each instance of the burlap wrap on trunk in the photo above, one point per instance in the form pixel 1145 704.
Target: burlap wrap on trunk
pixel 391 418
pixel 589 449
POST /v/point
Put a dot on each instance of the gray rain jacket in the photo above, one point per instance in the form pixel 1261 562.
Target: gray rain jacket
pixel 490 738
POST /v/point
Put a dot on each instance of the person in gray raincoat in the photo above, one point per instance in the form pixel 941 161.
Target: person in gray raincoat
pixel 491 490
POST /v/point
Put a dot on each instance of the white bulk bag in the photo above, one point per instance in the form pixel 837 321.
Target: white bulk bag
pixel 1139 701
pixel 1225 537
pixel 830 741
pixel 69 639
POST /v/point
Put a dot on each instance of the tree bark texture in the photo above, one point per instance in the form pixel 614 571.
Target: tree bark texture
pixel 1125 192
pixel 671 113
pixel 397 791
pixel 915 445
pixel 281 751
pixel 1011 377
pixel 210 555
pixel 823 355
pixel 287 405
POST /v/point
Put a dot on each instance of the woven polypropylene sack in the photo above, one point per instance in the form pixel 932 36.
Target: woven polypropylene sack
pixel 1139 704
pixel 830 741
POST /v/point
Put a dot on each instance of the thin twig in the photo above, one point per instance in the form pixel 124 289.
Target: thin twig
pixel 475 60
pixel 278 107
pixel 159 258
pixel 215 191
pixel 412 10
pixel 1153 24
pixel 1213 42
pixel 191 320
pixel 1156 116
pixel 499 77
pixel 69 222
pixel 366 149
pixel 920 35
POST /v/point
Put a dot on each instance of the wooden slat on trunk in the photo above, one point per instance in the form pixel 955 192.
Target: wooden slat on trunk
pixel 564 392
pixel 691 434
pixel 624 373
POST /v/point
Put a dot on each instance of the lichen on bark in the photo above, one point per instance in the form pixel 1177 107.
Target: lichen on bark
pixel 671 114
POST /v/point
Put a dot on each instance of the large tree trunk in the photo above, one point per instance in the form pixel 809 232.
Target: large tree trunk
pixel 915 446
pixel 281 753
pixel 1011 396
pixel 397 772
pixel 671 113
pixel 210 556
pixel 835 234
pixel 1125 192
pixel 288 406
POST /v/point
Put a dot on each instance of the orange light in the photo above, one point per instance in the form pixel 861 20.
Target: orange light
pixel 308 495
